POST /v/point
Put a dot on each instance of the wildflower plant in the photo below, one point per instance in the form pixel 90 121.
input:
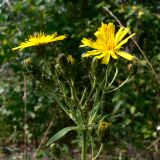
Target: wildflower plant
pixel 79 86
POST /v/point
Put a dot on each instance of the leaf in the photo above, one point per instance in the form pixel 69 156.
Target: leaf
pixel 60 134
pixel 38 2
pixel 2 37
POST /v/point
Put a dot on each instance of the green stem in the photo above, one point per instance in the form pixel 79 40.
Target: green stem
pixel 75 98
pixel 90 94
pixel 122 84
pixel 92 146
pixel 73 91
pixel 115 75
pixel 84 145
pixel 99 152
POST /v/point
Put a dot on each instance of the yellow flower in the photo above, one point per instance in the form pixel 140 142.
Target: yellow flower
pixel 38 40
pixel 70 59
pixel 107 43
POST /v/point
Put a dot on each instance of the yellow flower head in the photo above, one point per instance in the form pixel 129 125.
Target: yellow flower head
pixel 38 40
pixel 70 59
pixel 107 43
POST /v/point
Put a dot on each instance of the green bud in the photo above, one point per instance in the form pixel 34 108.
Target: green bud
pixel 63 64
pixel 33 69
pixel 103 131
pixel 28 63
pixel 65 67
pixel 94 66
pixel 62 60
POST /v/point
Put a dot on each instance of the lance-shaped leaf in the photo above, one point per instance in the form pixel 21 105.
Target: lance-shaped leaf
pixel 61 133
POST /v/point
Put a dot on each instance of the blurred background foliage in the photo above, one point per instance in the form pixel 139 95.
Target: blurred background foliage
pixel 136 105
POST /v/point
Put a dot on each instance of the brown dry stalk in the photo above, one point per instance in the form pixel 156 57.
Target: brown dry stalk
pixel 43 139
pixel 25 117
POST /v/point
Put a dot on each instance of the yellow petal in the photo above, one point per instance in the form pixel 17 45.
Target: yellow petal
pixel 106 59
pixel 85 55
pixel 120 34
pixel 91 53
pixel 86 42
pixel 125 55
pixel 59 38
pixel 97 33
pixel 113 54
pixel 100 56
pixel 118 46
pixel 100 34
pixel 15 48
pixel 111 30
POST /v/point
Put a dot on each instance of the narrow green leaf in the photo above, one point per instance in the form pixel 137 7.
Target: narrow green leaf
pixel 60 134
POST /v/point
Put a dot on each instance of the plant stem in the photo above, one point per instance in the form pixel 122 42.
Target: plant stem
pixel 99 152
pixel 25 117
pixel 84 145
pixel 127 79
pixel 43 139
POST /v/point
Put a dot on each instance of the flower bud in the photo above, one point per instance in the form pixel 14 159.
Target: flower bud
pixel 33 69
pixel 70 59
pixel 29 63
pixel 62 60
pixel 65 65
pixel 94 66
pixel 103 131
